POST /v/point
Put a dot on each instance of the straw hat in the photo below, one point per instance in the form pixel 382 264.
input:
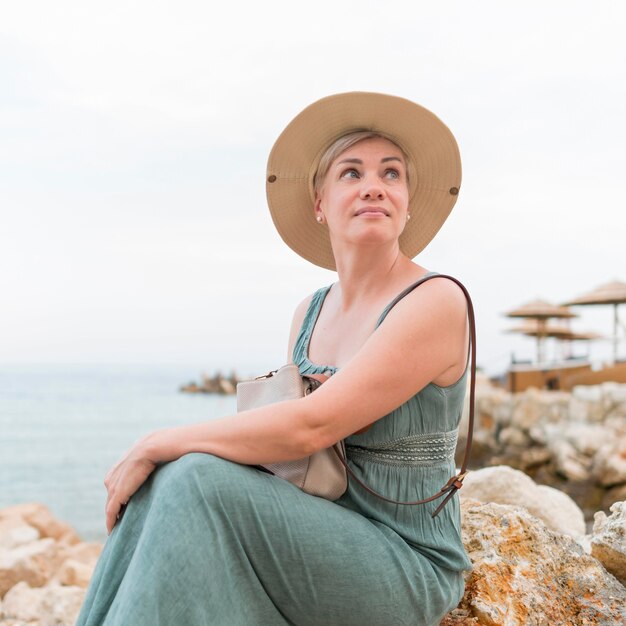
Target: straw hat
pixel 434 168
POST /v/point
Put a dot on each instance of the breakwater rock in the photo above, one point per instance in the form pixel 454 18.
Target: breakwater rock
pixel 44 568
pixel 574 441
pixel 218 383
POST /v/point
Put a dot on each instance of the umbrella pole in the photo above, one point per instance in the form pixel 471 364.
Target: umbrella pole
pixel 541 324
pixel 614 333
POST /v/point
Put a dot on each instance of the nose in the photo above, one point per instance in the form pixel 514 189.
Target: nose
pixel 372 190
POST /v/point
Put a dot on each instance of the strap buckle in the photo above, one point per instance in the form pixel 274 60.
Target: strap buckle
pixel 455 481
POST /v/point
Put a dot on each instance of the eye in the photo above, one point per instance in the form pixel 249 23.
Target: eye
pixel 392 173
pixel 350 173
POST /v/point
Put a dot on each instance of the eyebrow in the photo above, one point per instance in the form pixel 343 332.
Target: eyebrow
pixel 359 162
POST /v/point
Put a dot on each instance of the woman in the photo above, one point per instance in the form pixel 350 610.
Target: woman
pixel 360 183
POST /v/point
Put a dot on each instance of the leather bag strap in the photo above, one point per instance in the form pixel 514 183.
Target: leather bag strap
pixel 456 482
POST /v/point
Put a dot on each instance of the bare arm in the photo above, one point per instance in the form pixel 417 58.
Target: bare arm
pixel 418 341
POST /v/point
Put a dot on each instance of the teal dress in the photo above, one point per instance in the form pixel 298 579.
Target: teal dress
pixel 209 541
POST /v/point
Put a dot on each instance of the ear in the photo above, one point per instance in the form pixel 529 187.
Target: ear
pixel 317 206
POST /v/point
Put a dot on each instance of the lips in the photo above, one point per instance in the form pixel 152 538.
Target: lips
pixel 372 210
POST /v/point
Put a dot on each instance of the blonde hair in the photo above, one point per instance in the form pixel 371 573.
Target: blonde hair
pixel 340 145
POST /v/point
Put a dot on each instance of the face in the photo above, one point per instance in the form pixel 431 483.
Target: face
pixel 364 196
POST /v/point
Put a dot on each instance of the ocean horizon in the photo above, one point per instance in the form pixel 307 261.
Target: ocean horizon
pixel 63 426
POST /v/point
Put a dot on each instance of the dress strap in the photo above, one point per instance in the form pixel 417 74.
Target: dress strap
pixel 401 295
pixel 300 354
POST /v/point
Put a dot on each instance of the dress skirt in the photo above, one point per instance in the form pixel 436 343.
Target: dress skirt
pixel 209 541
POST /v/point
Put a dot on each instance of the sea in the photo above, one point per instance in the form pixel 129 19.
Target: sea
pixel 63 426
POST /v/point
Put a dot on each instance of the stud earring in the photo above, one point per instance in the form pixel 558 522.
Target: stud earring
pixel 319 219
pixel 408 217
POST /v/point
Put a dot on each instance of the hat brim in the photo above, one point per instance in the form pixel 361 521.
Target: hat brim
pixel 435 167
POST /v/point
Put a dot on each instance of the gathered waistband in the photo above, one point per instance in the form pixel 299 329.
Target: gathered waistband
pixel 426 449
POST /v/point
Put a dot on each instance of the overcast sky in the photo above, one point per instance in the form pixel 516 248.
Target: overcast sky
pixel 134 137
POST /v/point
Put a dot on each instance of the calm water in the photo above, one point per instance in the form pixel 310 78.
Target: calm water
pixel 62 427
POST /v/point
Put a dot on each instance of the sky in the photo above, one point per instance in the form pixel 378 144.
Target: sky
pixel 134 136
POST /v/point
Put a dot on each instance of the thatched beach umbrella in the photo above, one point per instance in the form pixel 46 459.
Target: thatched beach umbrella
pixel 589 336
pixel 611 293
pixel 535 328
pixel 541 311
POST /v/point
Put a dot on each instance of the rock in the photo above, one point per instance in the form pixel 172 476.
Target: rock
pixel 587 439
pixel 512 436
pixel 608 541
pixel 34 563
pixel 86 553
pixel 615 399
pixel 587 393
pixel 459 617
pixel 528 575
pixel 526 410
pixel 21 602
pixel 15 532
pixel 505 485
pixel 594 403
pixel 39 516
pixel 52 605
pixel 568 462
pixel 579 410
pixel 609 464
pixel 226 387
pixel 537 435
pixel 74 574
pixel 532 457
pixel 614 494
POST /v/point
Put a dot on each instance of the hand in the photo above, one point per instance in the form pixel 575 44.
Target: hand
pixel 123 480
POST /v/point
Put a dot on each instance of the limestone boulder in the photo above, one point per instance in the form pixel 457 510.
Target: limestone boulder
pixel 15 532
pixel 524 573
pixel 614 494
pixel 39 516
pixel 587 439
pixel 52 605
pixel 608 540
pixel 534 457
pixel 586 403
pixel 504 485
pixel 609 464
pixel 615 399
pixel 568 462
pixel 73 573
pixel 512 436
pixel 86 552
pixel 34 563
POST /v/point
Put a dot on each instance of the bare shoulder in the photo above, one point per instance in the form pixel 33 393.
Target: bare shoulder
pixel 445 292
pixel 434 316
pixel 438 295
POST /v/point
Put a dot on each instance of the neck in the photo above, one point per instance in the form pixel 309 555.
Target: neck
pixel 364 273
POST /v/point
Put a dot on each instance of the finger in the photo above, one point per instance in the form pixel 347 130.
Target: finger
pixel 111 514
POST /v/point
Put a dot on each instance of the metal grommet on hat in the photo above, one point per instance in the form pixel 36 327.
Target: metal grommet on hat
pixel 434 162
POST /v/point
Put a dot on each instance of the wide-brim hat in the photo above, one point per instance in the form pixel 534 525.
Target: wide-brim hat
pixel 434 168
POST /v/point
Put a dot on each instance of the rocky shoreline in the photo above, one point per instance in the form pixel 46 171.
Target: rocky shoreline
pixel 549 550
pixel 575 442
pixel 44 568
pixel 532 562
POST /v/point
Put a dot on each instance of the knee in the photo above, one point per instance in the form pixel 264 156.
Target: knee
pixel 201 477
